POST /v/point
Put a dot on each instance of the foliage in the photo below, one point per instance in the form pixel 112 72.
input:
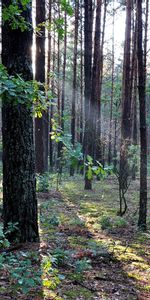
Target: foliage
pixel 54 221
pixel 70 153
pixel 60 256
pixel 13 14
pixel 25 278
pixel 43 182
pixel 82 265
pixel 108 222
pixel 16 91
pixel 4 243
pixel 98 170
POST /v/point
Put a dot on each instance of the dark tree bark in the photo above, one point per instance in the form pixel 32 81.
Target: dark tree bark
pixel 99 146
pixel 41 124
pixel 112 92
pixel 143 130
pixel 126 112
pixel 19 195
pixel 134 84
pixel 88 26
pixel 82 78
pixel 74 84
pixel 64 74
pixel 95 92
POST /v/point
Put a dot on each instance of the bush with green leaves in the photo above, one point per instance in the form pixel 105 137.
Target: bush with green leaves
pixel 98 169
pixel 43 182
pixel 4 243
pixel 109 223
pixel 60 256
pixel 26 272
pixel 82 265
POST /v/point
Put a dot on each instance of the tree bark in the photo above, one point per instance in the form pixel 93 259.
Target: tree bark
pixel 41 124
pixel 19 194
pixel 143 128
pixel 88 27
pixel 126 109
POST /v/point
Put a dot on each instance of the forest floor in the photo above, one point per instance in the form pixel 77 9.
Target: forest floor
pixel 85 252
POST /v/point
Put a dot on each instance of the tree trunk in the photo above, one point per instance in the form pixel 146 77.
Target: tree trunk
pixel 112 92
pixel 74 84
pixel 143 129
pixel 95 92
pixel 126 109
pixel 41 124
pixel 19 194
pixel 88 26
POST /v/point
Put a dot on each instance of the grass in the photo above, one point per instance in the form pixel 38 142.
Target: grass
pixel 86 251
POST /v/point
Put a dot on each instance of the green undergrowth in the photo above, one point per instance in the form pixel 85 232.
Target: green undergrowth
pixel 86 251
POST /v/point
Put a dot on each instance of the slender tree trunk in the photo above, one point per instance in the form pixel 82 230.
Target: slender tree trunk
pixel 112 92
pixel 64 74
pixel 19 194
pixel 41 124
pixel 99 146
pixel 51 145
pixel 142 101
pixel 88 26
pixel 58 91
pixel 82 84
pixel 95 92
pixel 126 110
pixel 134 85
pixel 74 85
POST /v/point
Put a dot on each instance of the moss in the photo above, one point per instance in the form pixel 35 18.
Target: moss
pixel 76 241
pixel 73 294
pixel 76 276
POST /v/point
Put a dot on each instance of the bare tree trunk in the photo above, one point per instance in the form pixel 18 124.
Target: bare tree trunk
pixel 112 92
pixel 142 100
pixel 82 83
pixel 51 152
pixel 41 124
pixel 19 194
pixel 95 92
pixel 88 26
pixel 100 147
pixel 126 110
pixel 74 85
pixel 64 75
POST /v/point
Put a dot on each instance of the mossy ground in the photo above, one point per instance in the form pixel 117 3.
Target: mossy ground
pixel 97 254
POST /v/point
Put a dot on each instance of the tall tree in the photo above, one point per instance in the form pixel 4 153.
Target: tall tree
pixel 88 27
pixel 81 75
pixel 141 54
pixel 74 85
pixel 126 111
pixel 41 124
pixel 19 195
pixel 112 88
pixel 95 91
pixel 64 73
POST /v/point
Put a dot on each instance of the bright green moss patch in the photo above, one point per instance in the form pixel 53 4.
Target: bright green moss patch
pixel 77 292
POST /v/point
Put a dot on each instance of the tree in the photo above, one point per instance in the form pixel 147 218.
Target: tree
pixel 41 124
pixel 126 112
pixel 95 91
pixel 74 84
pixel 142 102
pixel 19 195
pixel 88 27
